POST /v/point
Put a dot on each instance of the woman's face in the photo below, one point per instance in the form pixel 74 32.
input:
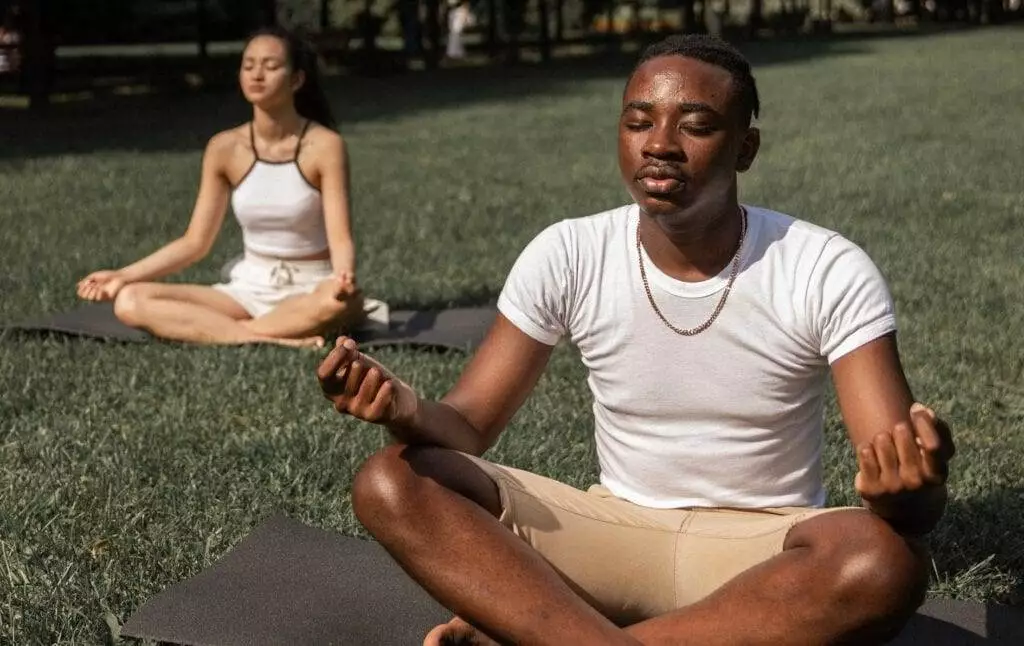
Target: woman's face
pixel 266 75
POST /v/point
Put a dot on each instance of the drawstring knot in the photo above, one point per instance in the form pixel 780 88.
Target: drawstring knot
pixel 283 274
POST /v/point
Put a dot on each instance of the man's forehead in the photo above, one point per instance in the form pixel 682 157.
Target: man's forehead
pixel 672 75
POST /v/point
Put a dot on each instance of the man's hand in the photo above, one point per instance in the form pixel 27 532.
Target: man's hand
pixel 360 386
pixel 913 458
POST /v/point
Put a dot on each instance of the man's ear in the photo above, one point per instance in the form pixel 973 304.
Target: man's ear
pixel 298 80
pixel 748 149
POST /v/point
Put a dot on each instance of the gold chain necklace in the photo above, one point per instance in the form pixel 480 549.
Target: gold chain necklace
pixel 721 302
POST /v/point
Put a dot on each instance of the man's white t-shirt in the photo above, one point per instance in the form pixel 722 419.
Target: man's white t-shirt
pixel 731 417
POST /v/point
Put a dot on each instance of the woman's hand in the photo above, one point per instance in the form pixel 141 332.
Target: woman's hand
pixel 101 285
pixel 341 302
pixel 341 287
pixel 347 278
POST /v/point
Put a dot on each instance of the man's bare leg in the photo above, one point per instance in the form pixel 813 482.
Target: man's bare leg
pixel 192 313
pixel 497 582
pixel 844 577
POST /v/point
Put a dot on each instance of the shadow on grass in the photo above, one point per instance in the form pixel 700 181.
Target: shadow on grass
pixel 154 104
pixel 985 625
pixel 169 113
pixel 469 297
pixel 982 538
pixel 1005 624
pixel 172 104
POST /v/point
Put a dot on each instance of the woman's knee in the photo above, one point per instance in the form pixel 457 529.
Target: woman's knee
pixel 129 304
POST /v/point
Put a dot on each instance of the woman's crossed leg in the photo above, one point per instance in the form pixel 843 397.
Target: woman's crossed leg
pixel 202 314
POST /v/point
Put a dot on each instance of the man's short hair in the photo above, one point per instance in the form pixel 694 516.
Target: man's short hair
pixel 714 51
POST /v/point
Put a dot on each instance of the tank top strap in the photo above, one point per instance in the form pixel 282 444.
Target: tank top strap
pixel 252 141
pixel 302 135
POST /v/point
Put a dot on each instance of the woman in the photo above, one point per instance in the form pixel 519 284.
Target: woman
pixel 286 176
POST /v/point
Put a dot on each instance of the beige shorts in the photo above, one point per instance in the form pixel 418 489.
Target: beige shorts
pixel 259 284
pixel 631 562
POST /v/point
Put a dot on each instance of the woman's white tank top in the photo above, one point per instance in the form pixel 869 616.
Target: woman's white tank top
pixel 281 214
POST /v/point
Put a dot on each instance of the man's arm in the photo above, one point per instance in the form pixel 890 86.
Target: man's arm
pixel 469 418
pixel 902 448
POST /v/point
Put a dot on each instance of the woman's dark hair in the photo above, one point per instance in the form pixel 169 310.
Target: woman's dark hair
pixel 310 100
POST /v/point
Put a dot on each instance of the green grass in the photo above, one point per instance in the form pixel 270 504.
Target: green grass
pixel 124 469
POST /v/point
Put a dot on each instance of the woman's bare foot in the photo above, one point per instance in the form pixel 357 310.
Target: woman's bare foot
pixel 457 633
pixel 307 342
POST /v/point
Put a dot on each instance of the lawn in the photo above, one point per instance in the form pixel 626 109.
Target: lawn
pixel 125 468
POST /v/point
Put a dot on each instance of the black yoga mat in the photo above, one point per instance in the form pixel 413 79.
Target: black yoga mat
pixel 287 583
pixel 458 328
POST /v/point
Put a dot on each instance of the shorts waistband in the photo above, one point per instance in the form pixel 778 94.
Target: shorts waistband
pixel 271 261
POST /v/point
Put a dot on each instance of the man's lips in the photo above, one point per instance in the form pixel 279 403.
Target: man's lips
pixel 661 180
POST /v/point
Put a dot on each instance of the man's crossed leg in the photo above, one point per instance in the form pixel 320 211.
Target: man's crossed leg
pixel 527 560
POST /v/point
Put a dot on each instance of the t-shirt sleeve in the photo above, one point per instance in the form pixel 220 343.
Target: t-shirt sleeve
pixel 535 294
pixel 848 300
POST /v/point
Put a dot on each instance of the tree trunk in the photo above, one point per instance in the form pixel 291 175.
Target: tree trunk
pixel 325 14
pixel 202 30
pixel 612 35
pixel 689 17
pixel 433 54
pixel 412 27
pixel 368 33
pixel 755 18
pixel 269 13
pixel 514 10
pixel 492 29
pixel 39 47
pixel 889 11
pixel 543 17
pixel 559 21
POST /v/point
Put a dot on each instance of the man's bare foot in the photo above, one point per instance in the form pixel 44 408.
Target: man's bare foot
pixel 457 633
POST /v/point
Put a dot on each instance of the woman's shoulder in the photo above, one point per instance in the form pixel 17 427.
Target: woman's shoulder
pixel 226 143
pixel 323 141
pixel 320 133
pixel 230 137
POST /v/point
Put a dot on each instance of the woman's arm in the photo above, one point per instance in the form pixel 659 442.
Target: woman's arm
pixel 334 188
pixel 207 218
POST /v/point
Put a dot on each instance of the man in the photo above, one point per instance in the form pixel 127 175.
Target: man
pixel 708 329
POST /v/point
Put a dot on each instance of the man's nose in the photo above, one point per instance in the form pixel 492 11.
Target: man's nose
pixel 663 141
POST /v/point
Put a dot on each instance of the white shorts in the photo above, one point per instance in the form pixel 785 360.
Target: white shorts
pixel 259 283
